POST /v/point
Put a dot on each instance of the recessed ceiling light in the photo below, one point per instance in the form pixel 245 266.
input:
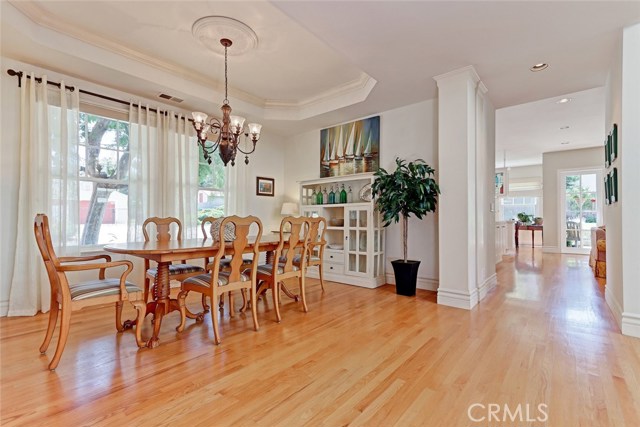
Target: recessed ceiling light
pixel 564 143
pixel 539 67
pixel 563 101
pixel 564 127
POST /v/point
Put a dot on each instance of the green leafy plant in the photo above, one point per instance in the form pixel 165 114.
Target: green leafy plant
pixel 524 218
pixel 410 189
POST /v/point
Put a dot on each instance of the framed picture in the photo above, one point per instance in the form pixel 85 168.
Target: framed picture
pixel 607 190
pixel 614 185
pixel 607 151
pixel 264 186
pixel 350 148
pixel 613 147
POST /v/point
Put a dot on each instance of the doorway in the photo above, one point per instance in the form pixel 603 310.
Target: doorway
pixel 580 208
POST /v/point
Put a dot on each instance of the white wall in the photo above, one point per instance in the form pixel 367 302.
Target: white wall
pixel 587 158
pixel 266 161
pixel 409 132
pixel 613 213
pixel 630 173
pixel 485 196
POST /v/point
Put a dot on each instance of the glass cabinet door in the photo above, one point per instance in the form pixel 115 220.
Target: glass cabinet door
pixel 357 240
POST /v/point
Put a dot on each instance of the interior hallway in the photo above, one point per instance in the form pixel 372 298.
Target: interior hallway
pixel 360 357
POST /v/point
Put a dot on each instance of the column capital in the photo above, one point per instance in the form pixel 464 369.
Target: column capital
pixel 468 72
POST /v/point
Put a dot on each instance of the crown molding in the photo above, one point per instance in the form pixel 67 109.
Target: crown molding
pixel 340 96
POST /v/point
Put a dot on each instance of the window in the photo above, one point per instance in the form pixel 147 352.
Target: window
pixel 211 187
pixel 103 153
pixel 512 206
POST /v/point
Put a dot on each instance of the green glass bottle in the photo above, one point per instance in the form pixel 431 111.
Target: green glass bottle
pixel 332 196
pixel 343 195
pixel 319 197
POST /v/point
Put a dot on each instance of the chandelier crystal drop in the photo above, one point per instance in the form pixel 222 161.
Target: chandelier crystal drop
pixel 226 135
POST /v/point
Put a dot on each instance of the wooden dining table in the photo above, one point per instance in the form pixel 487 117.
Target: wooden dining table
pixel 164 253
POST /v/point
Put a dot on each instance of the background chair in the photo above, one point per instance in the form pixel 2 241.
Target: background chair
pixel 236 276
pixel 177 272
pixel 315 253
pixel 66 297
pixel 598 255
pixel 283 267
pixel 573 234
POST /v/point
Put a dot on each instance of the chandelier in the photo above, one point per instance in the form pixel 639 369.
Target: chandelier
pixel 226 135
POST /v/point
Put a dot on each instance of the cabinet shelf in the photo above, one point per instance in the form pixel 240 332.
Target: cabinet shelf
pixel 338 205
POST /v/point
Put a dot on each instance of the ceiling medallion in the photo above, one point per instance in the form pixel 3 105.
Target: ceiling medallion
pixel 211 29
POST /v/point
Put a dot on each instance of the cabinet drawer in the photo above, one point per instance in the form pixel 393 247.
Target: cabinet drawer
pixel 333 256
pixel 333 267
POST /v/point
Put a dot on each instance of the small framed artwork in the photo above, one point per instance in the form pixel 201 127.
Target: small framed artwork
pixel 607 151
pixel 613 148
pixel 265 186
pixel 614 185
pixel 607 190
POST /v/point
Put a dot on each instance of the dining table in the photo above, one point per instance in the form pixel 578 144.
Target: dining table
pixel 166 252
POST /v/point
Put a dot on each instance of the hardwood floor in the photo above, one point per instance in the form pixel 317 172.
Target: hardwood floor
pixel 359 357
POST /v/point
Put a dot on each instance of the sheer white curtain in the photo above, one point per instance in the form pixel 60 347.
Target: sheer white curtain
pixel 48 184
pixel 163 175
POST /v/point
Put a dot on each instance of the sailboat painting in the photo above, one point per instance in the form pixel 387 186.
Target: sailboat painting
pixel 350 148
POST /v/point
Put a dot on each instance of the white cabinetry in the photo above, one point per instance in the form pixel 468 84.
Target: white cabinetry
pixel 355 238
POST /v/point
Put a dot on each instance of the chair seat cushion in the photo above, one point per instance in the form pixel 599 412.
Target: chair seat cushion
pixel 226 262
pixel 296 259
pixel 175 269
pixel 99 288
pixel 268 269
pixel 204 280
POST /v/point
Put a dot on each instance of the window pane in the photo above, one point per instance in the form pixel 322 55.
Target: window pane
pixel 210 203
pixel 103 213
pixel 103 153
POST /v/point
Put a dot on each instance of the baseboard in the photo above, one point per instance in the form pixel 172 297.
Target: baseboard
pixel 4 308
pixel 485 287
pixel 457 299
pixel 614 305
pixel 423 282
pixel 631 324
pixel 551 250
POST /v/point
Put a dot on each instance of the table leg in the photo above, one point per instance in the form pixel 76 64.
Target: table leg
pixel 533 239
pixel 161 302
pixel 516 236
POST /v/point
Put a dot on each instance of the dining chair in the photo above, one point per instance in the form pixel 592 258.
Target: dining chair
pixel 66 297
pixel 573 234
pixel 291 244
pixel 236 276
pixel 315 253
pixel 212 223
pixel 177 272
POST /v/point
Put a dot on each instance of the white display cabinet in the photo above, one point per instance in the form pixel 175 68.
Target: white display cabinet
pixel 355 237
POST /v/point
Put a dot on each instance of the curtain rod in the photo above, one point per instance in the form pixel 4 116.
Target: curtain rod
pixel 20 75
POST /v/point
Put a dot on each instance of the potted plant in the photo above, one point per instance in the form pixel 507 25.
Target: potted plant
pixel 410 189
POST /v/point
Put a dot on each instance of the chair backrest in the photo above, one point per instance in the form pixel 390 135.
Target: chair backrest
pixel 206 224
pixel 239 244
pixel 163 228
pixel 317 227
pixel 296 243
pixel 43 239
pixel 573 230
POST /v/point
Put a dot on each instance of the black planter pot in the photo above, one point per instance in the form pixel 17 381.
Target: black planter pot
pixel 406 276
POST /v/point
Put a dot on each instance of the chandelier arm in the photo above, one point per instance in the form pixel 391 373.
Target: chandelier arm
pixel 246 152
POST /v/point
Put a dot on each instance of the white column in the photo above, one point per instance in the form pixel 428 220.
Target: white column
pixel 457 176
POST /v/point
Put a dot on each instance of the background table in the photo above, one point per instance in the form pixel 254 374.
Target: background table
pixel 532 227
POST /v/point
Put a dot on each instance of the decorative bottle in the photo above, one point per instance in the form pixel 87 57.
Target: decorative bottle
pixel 343 195
pixel 332 196
pixel 350 196
pixel 319 197
pixel 325 196
pixel 314 197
